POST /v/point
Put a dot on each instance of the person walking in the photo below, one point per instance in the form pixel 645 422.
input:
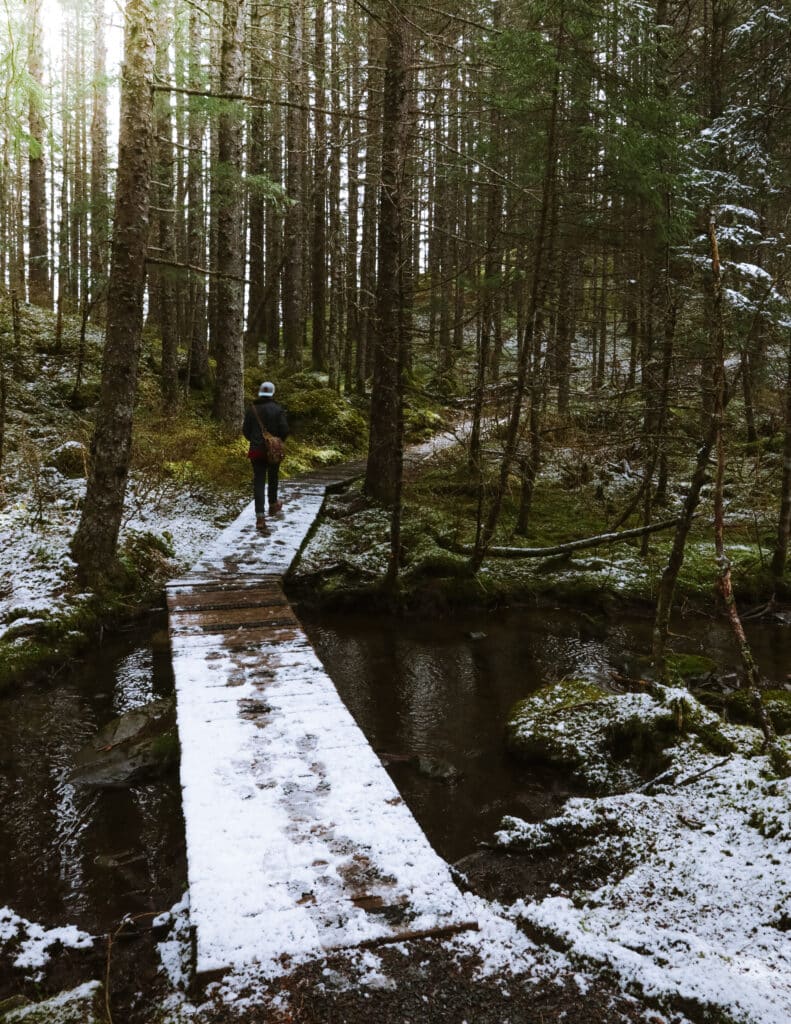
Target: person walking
pixel 264 416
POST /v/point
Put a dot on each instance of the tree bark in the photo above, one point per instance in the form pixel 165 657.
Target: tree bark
pixel 600 540
pixel 383 469
pixel 675 562
pixel 351 327
pixel 338 352
pixel 197 337
pixel 38 254
pixel 274 217
pixel 164 295
pixel 100 199
pixel 228 404
pixel 526 353
pixel 293 265
pixel 256 162
pixel 373 158
pixel 780 554
pixel 318 247
pixel 95 542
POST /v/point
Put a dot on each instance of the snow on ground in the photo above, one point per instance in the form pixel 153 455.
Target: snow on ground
pixel 703 915
pixel 37 573
pixel 703 912
pixel 33 943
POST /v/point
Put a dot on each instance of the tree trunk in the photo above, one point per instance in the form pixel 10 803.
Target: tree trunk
pixel 228 404
pixel 784 520
pixel 293 266
pixel 532 320
pixel 373 157
pixel 383 470
pixel 318 248
pixel 712 387
pixel 38 255
pixel 64 270
pixel 100 200
pixel 351 331
pixel 96 539
pixel 337 361
pixel 164 296
pixel 274 218
pixel 197 338
pixel 256 162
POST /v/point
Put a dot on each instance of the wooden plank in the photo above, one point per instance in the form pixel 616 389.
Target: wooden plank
pixel 297 839
pixel 234 617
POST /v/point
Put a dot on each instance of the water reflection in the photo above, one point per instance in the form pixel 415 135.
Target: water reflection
pixel 442 692
pixel 69 853
pixel 432 697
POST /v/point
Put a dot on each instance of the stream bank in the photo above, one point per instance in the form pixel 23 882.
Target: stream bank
pixel 433 698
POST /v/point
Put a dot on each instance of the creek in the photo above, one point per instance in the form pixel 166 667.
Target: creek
pixel 432 697
pixel 71 853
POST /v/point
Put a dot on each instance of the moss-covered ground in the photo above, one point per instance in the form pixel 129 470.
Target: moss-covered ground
pixel 591 466
pixel 189 477
pixel 349 554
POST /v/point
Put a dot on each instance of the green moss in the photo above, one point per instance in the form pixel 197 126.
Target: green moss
pixel 738 707
pixel 762 445
pixel 608 741
pixel 83 1005
pixel 440 564
pixel 320 415
pixel 682 667
pixel 420 423
pixel 165 749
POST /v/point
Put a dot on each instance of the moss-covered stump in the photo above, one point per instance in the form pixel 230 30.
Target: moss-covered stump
pixel 82 1005
pixel 608 742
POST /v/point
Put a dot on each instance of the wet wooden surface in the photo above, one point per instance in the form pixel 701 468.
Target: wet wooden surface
pixel 297 839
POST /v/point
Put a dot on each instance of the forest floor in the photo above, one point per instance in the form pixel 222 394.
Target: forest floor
pixel 668 906
pixel 494 976
pixel 556 941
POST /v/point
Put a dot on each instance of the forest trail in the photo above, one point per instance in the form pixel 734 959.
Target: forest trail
pixel 297 839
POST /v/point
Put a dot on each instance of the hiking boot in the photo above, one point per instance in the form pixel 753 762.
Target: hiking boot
pixel 260 522
pixel 273 509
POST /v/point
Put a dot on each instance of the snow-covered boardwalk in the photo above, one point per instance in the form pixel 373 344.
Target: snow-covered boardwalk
pixel 297 839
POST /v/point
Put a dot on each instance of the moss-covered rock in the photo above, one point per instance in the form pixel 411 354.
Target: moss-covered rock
pixel 318 412
pixel 140 744
pixel 82 1005
pixel 685 668
pixel 70 459
pixel 608 742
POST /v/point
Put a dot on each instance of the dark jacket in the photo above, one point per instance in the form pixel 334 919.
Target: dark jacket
pixel 272 415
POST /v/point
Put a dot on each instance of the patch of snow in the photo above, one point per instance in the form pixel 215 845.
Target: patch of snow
pixel 75 999
pixel 35 941
pixel 701 915
pixel 500 947
pixel 35 533
pixel 174 951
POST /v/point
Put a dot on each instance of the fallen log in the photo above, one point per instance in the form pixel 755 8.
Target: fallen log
pixel 563 549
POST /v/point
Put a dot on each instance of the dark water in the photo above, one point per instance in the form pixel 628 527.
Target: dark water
pixel 73 854
pixel 435 689
pixel 440 691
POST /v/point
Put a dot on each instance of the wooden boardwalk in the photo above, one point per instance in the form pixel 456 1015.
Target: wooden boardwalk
pixel 297 839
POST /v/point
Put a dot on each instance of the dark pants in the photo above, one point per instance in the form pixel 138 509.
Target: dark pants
pixel 265 476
